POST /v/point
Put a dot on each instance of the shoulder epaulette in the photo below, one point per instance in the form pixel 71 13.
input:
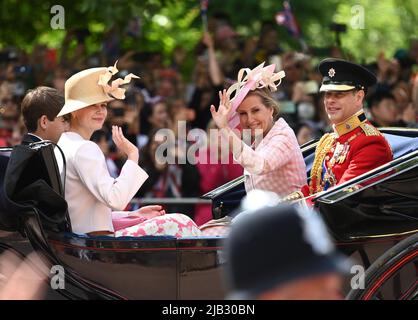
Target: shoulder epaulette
pixel 370 130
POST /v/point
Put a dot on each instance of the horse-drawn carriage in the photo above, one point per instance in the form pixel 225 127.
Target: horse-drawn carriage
pixel 373 217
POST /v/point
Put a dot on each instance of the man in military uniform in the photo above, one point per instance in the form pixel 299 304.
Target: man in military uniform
pixel 355 146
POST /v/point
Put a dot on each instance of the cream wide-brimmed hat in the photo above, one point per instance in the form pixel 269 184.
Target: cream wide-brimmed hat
pixel 90 86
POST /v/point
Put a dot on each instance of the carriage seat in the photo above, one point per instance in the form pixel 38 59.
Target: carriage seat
pixel 401 145
pixel 30 184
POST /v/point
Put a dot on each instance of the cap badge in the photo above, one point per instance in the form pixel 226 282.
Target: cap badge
pixel 331 72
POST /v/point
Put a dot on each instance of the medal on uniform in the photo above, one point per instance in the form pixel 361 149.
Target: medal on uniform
pixel 329 179
pixel 343 153
pixel 337 151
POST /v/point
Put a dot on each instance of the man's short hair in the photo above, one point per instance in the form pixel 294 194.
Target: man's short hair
pixel 38 102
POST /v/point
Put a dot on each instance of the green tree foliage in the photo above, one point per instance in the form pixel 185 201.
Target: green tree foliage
pixel 388 26
pixel 249 15
pixel 165 23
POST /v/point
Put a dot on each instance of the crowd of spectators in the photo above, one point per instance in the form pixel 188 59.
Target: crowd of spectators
pixel 163 96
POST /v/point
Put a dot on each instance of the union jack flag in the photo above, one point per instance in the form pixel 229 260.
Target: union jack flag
pixel 204 5
pixel 287 19
pixel 203 13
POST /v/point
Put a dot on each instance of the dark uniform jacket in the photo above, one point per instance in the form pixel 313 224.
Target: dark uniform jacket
pixel 29 138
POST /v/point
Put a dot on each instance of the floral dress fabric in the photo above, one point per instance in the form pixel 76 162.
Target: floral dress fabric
pixel 175 224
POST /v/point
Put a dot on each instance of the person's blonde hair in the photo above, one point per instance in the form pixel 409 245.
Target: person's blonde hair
pixel 267 100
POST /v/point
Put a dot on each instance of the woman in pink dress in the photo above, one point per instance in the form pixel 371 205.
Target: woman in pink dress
pixel 266 147
pixel 216 167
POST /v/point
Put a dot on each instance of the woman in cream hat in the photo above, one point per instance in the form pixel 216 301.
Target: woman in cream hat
pixel 93 196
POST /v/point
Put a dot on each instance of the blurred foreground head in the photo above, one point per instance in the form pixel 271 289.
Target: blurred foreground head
pixel 22 279
pixel 283 252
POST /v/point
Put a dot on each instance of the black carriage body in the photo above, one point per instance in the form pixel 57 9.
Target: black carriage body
pixel 368 214
pixel 146 268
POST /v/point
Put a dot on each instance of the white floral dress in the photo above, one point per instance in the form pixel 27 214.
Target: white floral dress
pixel 175 224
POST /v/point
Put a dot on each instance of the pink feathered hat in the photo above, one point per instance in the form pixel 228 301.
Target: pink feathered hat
pixel 258 78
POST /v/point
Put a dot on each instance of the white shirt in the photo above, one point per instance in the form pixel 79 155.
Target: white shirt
pixel 90 191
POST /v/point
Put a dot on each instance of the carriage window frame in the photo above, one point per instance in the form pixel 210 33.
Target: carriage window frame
pixel 369 179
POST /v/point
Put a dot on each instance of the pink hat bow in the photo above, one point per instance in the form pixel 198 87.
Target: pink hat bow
pixel 257 78
pixel 113 89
